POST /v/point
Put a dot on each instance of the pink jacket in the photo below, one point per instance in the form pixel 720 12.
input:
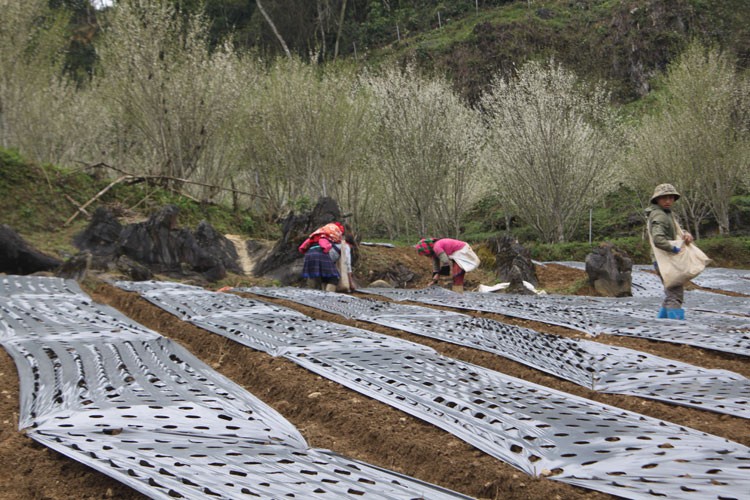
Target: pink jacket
pixel 448 246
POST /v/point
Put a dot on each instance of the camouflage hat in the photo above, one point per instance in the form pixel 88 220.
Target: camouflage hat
pixel 664 190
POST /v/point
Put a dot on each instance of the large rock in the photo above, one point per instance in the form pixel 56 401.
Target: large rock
pixel 610 271
pixel 160 245
pixel 101 235
pixel 513 264
pixel 76 267
pixel 284 262
pixel 216 244
pixel 18 257
pixel 132 269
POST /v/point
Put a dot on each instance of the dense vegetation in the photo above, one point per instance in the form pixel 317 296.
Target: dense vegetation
pixel 527 117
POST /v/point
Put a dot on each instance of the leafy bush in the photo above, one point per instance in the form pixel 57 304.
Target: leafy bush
pixel 486 256
pixel 728 252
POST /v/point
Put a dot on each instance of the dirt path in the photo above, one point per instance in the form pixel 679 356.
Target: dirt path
pixel 246 262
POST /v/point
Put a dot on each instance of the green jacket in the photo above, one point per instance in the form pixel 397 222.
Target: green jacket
pixel 662 226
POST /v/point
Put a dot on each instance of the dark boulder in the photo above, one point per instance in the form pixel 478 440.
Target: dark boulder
pixel 513 264
pixel 76 267
pixel 216 244
pixel 159 245
pixel 610 271
pixel 165 248
pixel 18 257
pixel 101 235
pixel 284 261
pixel 132 269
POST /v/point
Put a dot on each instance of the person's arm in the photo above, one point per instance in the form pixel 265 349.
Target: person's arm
pixel 686 236
pixel 305 245
pixel 660 234
pixel 325 244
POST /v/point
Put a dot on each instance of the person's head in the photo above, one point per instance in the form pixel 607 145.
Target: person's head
pixel 665 195
pixel 424 247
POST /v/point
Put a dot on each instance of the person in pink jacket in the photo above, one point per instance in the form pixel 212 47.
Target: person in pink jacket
pixel 454 257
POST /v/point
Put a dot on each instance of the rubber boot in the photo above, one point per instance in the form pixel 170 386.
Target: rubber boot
pixel 458 288
pixel 676 313
pixel 662 313
pixel 330 287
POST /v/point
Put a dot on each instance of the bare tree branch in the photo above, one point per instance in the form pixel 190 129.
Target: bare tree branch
pixel 273 28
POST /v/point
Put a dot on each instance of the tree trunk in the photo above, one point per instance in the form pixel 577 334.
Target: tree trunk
pixel 340 28
pixel 322 34
pixel 273 28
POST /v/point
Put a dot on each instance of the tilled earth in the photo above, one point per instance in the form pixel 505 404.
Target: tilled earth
pixel 333 417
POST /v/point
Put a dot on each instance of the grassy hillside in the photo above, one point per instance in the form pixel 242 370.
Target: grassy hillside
pixel 625 43
pixel 39 202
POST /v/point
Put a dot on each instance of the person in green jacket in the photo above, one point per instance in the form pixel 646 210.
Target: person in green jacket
pixel 663 229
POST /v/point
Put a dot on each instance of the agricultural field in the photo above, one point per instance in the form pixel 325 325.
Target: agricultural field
pixel 329 415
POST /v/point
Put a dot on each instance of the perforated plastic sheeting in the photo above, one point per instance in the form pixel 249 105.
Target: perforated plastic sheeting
pixel 705 310
pixel 262 326
pixel 612 318
pixel 143 410
pixel 72 317
pixel 718 278
pixel 648 284
pixel 542 431
pixel 517 306
pixel 596 366
pixel 242 469
pixel 152 385
pixel 539 430
pixel 636 317
pixel 699 300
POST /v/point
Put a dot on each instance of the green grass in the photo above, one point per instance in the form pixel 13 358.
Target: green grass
pixel 38 201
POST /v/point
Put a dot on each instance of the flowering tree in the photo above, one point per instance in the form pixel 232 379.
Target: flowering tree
pixel 41 113
pixel 306 135
pixel 172 102
pixel 553 148
pixel 427 148
pixel 699 136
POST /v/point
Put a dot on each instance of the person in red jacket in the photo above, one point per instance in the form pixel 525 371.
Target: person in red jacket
pixel 449 256
pixel 319 267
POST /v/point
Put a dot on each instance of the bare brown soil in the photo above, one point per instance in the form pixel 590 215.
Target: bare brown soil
pixel 336 418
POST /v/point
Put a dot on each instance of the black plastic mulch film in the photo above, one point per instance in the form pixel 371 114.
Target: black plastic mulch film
pixel 536 429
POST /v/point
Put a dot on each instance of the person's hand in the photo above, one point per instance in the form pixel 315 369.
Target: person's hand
pixel 687 238
pixel 435 279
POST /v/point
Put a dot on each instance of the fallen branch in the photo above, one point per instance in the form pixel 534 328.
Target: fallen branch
pixel 176 179
pixel 75 204
pixel 98 195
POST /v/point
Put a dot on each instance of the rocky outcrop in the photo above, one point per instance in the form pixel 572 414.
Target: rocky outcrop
pixel 513 264
pixel 159 245
pixel 610 271
pixel 284 261
pixel 18 257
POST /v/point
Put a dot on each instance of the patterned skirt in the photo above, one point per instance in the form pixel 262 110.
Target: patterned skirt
pixel 319 265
